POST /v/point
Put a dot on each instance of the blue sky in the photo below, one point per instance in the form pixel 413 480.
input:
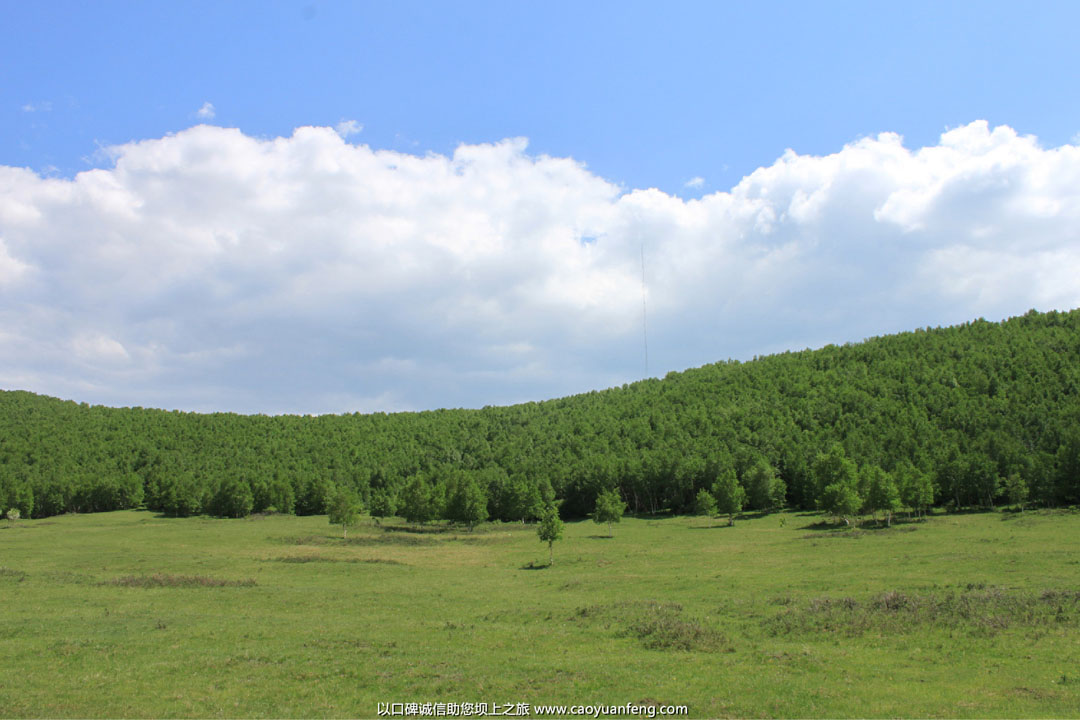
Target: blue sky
pixel 646 94
pixel 436 261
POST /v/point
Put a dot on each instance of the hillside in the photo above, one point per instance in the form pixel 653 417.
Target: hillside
pixel 973 411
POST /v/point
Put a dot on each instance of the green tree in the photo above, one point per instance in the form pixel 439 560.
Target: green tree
pixel 704 503
pixel 764 488
pixel 916 488
pixel 1066 488
pixel 277 495
pixel 232 499
pixel 982 480
pixel 609 509
pixel 516 498
pixel 344 510
pixel 841 500
pixel 550 529
pixel 314 496
pixel 832 468
pixel 730 495
pixel 180 495
pixel 1017 490
pixel 417 503
pixel 18 496
pixel 13 514
pixel 882 495
pixel 467 502
pixel 383 504
pixel 837 480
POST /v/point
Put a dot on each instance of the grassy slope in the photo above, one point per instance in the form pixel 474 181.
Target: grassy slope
pixel 454 616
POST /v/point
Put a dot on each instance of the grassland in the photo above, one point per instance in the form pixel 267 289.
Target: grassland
pixel 129 614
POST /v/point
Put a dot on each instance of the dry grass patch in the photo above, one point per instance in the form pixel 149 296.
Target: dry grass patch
pixel 12 575
pixel 974 608
pixel 659 626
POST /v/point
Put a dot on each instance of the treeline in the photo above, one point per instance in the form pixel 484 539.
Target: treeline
pixel 967 416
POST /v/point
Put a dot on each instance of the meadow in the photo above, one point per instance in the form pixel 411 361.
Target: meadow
pixel 131 614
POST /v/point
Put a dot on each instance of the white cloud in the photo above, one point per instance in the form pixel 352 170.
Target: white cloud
pixel 210 269
pixel 347 128
pixel 206 112
pixel 11 269
pixel 44 106
pixel 95 348
pixel 695 182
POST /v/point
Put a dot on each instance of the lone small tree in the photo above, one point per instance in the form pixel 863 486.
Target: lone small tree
pixel 13 514
pixel 344 510
pixel 704 503
pixel 549 529
pixel 609 508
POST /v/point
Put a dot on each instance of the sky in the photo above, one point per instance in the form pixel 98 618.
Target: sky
pixel 324 207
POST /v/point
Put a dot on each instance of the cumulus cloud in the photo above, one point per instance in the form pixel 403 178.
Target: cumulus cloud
pixel 206 112
pixel 214 270
pixel 346 128
pixel 11 270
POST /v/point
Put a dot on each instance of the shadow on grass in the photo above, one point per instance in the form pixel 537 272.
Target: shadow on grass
pixel 533 566
pixel 450 528
pixel 418 529
pixel 827 526
pixel 714 526
pixel 407 540
pixel 600 537
pixel 757 515
pixel 858 529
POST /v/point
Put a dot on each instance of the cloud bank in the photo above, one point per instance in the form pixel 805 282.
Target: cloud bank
pixel 211 270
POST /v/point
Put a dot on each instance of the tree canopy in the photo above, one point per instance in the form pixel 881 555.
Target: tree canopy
pixel 963 416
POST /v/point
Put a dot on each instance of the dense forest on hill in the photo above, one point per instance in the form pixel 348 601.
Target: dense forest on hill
pixel 965 416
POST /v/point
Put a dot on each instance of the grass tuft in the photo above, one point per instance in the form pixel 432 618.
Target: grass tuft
pixel 974 608
pixel 659 626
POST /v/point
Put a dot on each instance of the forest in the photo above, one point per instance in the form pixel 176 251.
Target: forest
pixel 969 416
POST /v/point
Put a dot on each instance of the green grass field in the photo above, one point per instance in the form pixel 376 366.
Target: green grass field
pixel 133 615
